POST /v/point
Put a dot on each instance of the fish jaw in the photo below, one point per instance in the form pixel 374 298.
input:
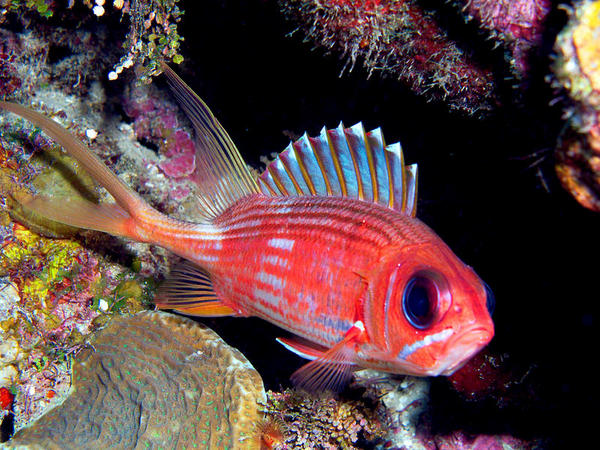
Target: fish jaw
pixel 460 348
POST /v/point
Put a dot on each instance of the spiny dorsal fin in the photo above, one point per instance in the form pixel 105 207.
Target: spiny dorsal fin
pixel 344 162
pixel 223 177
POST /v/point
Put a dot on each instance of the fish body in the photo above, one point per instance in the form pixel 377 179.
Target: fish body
pixel 324 244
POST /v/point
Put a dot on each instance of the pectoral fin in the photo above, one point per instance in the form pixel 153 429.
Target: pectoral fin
pixel 189 290
pixel 330 370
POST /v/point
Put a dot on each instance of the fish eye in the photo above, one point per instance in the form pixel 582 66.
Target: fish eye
pixel 490 300
pixel 420 300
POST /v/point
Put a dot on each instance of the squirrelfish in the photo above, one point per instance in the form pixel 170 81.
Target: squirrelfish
pixel 324 244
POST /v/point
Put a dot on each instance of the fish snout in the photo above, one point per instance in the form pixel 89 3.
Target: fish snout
pixel 464 345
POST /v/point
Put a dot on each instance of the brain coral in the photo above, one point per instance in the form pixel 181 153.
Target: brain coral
pixel 154 380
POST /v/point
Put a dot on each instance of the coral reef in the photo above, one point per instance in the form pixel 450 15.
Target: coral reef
pixel 517 24
pixel 52 291
pixel 577 73
pixel 42 323
pixel 9 80
pixel 324 422
pixel 151 37
pixel 154 380
pixel 402 40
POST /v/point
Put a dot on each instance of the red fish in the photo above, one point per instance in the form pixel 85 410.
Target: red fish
pixel 323 244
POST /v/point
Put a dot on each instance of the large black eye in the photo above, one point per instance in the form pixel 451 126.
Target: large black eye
pixel 420 300
pixel 490 300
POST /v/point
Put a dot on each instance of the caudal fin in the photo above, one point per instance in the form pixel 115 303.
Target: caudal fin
pixel 115 218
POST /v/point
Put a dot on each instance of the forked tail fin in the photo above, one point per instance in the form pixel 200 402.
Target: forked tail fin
pixel 114 218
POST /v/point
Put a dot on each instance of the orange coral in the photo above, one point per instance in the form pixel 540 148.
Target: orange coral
pixel 577 72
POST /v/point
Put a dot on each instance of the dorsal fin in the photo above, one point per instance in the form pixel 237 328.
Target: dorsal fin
pixel 344 162
pixel 223 177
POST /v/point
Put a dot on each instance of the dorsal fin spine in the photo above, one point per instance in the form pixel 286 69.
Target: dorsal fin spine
pixel 412 189
pixel 321 165
pixel 336 161
pixel 392 199
pixel 275 176
pixel 284 158
pixel 401 183
pixel 354 156
pixel 372 171
pixel 302 166
pixel 266 187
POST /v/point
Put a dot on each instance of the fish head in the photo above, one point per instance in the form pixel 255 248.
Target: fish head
pixel 433 311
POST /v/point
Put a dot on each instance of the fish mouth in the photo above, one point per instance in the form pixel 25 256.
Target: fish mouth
pixel 461 347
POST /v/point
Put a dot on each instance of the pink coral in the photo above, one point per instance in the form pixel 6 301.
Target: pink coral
pixel 460 440
pixel 516 23
pixel 155 121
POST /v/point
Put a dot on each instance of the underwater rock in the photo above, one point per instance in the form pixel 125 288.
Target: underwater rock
pixel 403 406
pixel 400 39
pixel 154 380
pixel 150 38
pixel 577 73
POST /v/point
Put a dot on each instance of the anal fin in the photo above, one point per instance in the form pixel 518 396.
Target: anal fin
pixel 331 370
pixel 189 290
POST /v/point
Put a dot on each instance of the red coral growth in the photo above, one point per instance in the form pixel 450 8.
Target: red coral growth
pixel 155 121
pixel 6 399
pixel 498 378
pixel 400 39
pixel 516 23
pixel 482 375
